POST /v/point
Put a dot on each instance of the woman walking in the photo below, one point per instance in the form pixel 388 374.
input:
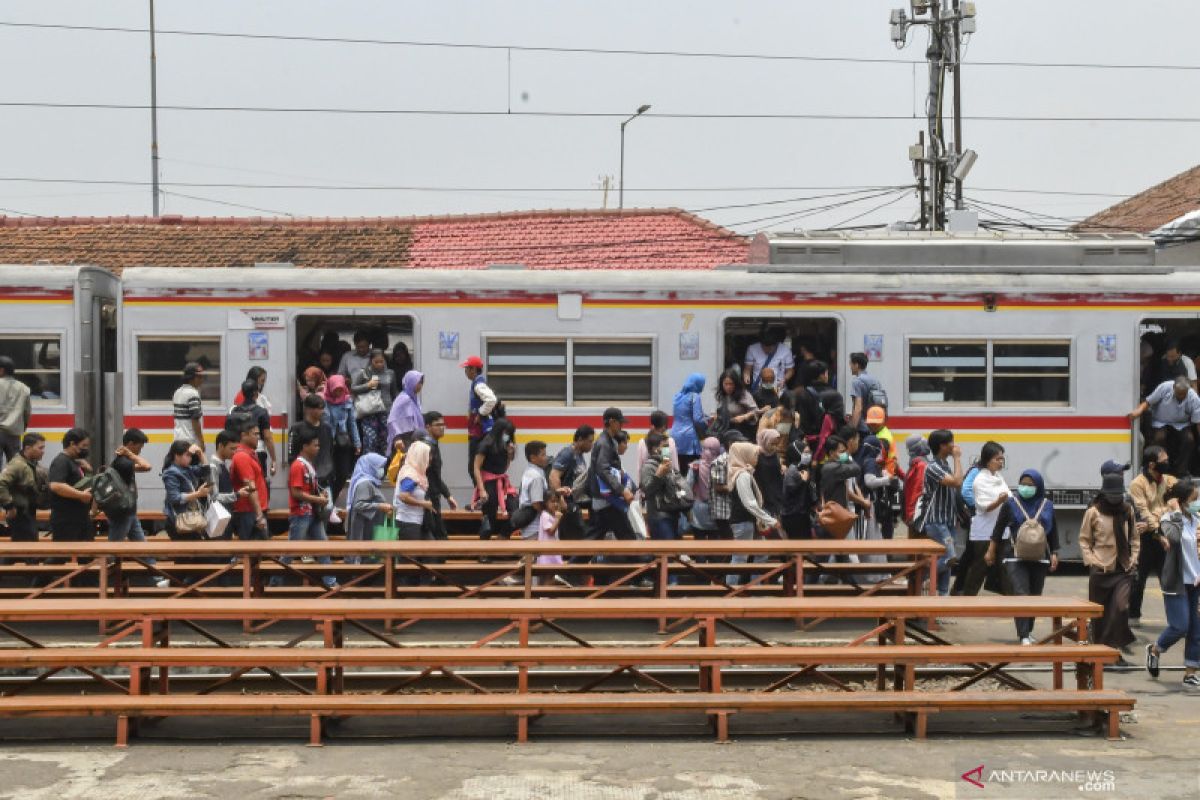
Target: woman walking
pixel 492 486
pixel 374 390
pixel 366 505
pixel 1180 580
pixel 1025 576
pixel 406 416
pixel 347 445
pixel 736 409
pixel 991 493
pixel 768 472
pixel 1109 543
pixel 690 424
pixel 700 479
pixel 747 513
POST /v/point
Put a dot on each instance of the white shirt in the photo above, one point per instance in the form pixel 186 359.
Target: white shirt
pixel 1190 366
pixel 1169 411
pixel 533 490
pixel 988 488
pixel 780 361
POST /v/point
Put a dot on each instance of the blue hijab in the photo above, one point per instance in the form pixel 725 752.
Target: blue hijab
pixel 1020 507
pixel 369 468
pixel 693 385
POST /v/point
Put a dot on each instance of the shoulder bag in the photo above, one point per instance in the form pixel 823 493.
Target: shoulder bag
pixel 836 520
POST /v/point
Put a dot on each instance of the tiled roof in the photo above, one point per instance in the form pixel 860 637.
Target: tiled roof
pixel 584 239
pixel 1151 209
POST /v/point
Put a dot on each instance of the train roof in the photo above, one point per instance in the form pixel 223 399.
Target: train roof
pixel 46 275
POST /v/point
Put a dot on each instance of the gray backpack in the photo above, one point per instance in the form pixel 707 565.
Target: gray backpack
pixel 1030 542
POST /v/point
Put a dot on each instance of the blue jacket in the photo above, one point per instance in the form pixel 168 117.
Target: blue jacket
pixel 179 481
pixel 689 416
pixel 341 419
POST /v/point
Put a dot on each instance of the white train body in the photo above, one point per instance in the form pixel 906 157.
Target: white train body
pixel 955 347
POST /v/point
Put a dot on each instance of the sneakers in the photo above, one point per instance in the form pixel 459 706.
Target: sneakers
pixel 1027 640
pixel 163 583
pixel 1192 682
pixel 509 580
pixel 561 581
pixel 1152 662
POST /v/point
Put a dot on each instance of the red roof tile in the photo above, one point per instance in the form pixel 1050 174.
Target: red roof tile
pixel 1150 209
pixel 582 239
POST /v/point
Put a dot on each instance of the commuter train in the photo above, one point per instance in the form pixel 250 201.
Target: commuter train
pixel 1037 343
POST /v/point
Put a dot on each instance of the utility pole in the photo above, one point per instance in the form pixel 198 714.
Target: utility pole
pixel 621 182
pixel 153 116
pixel 605 185
pixel 948 21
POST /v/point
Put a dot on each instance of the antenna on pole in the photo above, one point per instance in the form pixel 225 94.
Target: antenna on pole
pixel 153 116
pixel 950 23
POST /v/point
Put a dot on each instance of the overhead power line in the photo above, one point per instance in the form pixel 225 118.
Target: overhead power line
pixel 668 115
pixel 521 48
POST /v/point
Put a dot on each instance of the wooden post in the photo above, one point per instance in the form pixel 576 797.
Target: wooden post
pixel 314 731
pixel 1056 623
pixel 664 573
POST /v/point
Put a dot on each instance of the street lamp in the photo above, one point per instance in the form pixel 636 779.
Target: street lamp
pixel 621 182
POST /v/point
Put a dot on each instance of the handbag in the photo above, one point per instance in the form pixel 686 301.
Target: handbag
pixel 523 517
pixel 368 404
pixel 216 518
pixel 836 520
pixel 342 440
pixel 386 531
pixel 676 495
pixel 192 519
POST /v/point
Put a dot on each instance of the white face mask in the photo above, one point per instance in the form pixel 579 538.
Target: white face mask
pixel 805 458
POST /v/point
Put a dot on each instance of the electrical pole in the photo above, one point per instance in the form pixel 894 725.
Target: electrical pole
pixel 153 116
pixel 948 22
pixel 621 181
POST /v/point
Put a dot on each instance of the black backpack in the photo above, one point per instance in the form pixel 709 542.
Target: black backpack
pixel 239 417
pixel 112 494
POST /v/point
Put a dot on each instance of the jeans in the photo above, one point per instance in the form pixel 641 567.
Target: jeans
pixel 242 524
pixel 309 528
pixel 127 529
pixel 742 532
pixel 1183 622
pixel 663 528
pixel 1026 578
pixel 943 535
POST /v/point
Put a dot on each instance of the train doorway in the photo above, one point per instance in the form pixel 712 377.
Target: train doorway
pixel 323 341
pixel 1169 347
pixel 805 338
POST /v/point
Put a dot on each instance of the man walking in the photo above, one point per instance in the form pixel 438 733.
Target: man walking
pixel 249 520
pixel 15 410
pixel 187 408
pixel 567 466
pixel 70 508
pixel 23 488
pixel 938 501
pixel 610 497
pixel 315 423
pixel 865 391
pixel 435 429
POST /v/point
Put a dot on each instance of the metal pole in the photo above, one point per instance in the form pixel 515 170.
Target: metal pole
pixel 958 148
pixel 921 182
pixel 621 179
pixel 153 115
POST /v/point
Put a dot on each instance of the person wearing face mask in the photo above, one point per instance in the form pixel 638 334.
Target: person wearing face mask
pixel 799 498
pixel 493 489
pixel 1148 492
pixel 1180 579
pixel 70 508
pixel 1109 543
pixel 1027 577
pixel 366 505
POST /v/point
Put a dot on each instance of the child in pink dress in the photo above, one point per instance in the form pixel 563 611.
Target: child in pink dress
pixel 552 514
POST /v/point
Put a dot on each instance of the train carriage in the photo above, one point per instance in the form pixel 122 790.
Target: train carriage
pixel 1034 342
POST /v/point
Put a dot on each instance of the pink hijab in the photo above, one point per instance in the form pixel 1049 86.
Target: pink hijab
pixel 336 391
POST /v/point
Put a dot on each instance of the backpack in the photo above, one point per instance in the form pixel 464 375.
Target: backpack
pixel 1030 541
pixel 238 418
pixel 676 496
pixel 914 487
pixel 112 494
pixel 876 396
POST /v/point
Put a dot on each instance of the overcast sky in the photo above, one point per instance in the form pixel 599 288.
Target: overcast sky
pixel 514 162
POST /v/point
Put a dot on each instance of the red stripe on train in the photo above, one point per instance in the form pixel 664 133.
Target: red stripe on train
pixel 51 421
pixel 163 421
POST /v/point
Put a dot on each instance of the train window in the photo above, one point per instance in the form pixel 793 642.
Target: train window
pixel 947 371
pixel 617 371
pixel 1031 373
pixel 528 370
pixel 160 363
pixel 568 371
pixel 38 361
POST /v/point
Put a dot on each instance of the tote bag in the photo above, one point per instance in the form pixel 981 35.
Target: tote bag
pixel 217 518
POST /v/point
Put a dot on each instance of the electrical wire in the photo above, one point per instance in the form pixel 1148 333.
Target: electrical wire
pixel 586 50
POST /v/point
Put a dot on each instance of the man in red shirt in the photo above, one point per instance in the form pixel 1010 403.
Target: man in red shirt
pixel 249 520
pixel 306 501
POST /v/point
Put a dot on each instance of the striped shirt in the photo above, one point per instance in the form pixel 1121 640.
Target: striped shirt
pixel 938 500
pixel 186 407
pixel 720 504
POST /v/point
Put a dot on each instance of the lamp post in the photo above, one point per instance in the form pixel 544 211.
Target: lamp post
pixel 621 181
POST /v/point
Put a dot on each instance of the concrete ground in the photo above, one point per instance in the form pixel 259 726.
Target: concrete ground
pixel 1031 756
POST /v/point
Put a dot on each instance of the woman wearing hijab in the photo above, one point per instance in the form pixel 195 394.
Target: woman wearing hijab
pixel 747 512
pixel 366 505
pixel 312 382
pixel 700 479
pixel 406 417
pixel 1109 543
pixel 412 486
pixel 1026 576
pixel 1180 579
pixel 339 411
pixel 768 472
pixel 690 422
pixel 799 498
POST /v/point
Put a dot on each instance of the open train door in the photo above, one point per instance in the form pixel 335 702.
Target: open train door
pixel 1169 345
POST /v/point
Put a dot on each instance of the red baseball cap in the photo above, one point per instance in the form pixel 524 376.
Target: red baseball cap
pixel 472 361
